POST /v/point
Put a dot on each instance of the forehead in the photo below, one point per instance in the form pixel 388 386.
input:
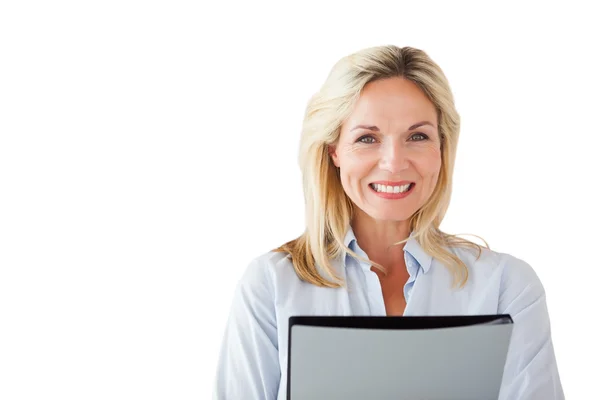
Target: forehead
pixel 392 101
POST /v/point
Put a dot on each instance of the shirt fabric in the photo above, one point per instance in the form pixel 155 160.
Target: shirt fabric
pixel 253 355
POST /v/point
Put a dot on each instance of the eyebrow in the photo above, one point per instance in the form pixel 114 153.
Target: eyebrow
pixel 376 129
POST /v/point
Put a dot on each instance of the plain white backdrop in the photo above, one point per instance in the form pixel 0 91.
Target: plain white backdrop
pixel 148 151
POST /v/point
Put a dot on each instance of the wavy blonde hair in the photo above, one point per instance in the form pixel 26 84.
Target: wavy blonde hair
pixel 329 210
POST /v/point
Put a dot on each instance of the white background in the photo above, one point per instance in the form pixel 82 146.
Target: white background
pixel 148 152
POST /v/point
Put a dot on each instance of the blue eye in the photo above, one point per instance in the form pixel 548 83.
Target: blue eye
pixel 368 139
pixel 425 137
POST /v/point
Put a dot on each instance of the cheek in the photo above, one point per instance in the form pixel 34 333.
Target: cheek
pixel 356 163
pixel 430 163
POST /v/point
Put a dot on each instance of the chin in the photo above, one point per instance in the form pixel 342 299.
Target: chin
pixel 392 216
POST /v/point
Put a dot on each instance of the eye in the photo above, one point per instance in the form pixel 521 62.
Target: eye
pixel 367 139
pixel 424 137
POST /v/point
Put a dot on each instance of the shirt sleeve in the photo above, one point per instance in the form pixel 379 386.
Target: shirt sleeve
pixel 248 366
pixel 530 372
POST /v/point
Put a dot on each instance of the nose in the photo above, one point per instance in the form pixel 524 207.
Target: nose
pixel 394 157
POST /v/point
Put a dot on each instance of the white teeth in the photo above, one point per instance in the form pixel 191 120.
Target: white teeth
pixel 390 189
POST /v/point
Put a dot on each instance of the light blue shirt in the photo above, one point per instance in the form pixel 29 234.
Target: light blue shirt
pixel 253 357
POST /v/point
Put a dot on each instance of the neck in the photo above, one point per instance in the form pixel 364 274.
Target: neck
pixel 377 238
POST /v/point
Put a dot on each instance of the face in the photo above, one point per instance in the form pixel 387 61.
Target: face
pixel 388 151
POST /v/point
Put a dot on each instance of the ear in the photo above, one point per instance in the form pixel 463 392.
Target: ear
pixel 333 154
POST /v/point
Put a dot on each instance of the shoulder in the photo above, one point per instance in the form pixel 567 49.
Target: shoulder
pixel 517 272
pixel 260 276
pixel 511 269
pixel 513 279
pixel 265 264
pixel 511 274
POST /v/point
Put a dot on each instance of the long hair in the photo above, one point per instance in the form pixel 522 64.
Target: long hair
pixel 328 209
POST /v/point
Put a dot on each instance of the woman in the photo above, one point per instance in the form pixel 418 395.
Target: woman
pixel 377 154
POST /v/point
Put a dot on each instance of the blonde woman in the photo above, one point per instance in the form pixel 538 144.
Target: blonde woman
pixel 377 154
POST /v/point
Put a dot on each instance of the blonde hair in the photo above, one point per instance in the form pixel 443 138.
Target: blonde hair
pixel 329 211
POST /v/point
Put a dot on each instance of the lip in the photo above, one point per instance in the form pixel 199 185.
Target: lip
pixel 392 183
pixel 393 196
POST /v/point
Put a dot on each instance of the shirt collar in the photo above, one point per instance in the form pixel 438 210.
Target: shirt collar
pixel 411 247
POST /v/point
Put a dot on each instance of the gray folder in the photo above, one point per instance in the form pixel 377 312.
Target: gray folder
pixel 399 358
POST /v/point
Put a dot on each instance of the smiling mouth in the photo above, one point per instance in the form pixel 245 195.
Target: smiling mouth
pixel 391 189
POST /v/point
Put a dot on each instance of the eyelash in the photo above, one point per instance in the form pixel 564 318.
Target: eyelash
pixel 371 137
